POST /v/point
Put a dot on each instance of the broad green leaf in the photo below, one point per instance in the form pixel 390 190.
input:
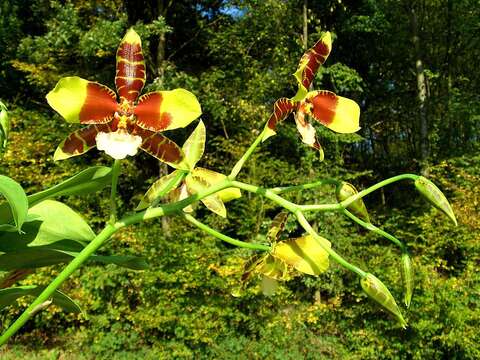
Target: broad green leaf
pixel 376 290
pixel 10 295
pixel 305 254
pixel 160 188
pixel 213 203
pixel 55 223
pixel 433 194
pixel 195 145
pixel 210 178
pixel 85 182
pixel 343 192
pixel 16 198
pixel 36 257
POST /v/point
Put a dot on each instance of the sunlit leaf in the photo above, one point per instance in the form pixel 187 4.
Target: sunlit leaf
pixel 53 222
pixel 10 295
pixel 305 254
pixel 195 145
pixel 16 199
pixel 433 194
pixel 85 182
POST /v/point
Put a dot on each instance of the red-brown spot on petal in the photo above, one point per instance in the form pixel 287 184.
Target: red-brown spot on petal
pixel 99 106
pixel 324 105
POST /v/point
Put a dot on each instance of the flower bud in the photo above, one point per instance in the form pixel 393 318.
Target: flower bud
pixel 343 192
pixel 433 194
pixel 375 289
pixel 407 277
pixel 4 126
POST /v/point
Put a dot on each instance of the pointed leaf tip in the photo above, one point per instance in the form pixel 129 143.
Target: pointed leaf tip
pixel 376 290
pixel 433 195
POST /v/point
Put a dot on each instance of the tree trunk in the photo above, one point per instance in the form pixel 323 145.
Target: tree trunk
pixel 421 91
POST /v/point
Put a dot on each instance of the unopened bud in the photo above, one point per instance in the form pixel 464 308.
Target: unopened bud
pixel 407 277
pixel 375 289
pixel 4 126
pixel 433 194
pixel 358 208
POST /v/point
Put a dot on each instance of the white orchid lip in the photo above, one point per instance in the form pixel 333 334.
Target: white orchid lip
pixel 118 144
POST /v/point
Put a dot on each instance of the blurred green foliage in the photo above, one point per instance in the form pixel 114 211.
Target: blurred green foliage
pixel 238 57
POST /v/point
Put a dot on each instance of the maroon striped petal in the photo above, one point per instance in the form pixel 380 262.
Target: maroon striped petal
pixel 80 141
pixel 281 109
pixel 312 59
pixel 160 147
pixel 130 74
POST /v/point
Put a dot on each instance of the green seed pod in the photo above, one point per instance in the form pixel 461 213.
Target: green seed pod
pixel 433 194
pixel 4 126
pixel 375 289
pixel 358 208
pixel 407 277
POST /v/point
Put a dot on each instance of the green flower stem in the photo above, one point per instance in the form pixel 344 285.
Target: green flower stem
pixel 268 194
pixel 321 207
pixel 224 237
pixel 377 186
pixel 238 166
pixel 297 211
pixel 282 190
pixel 108 231
pixel 116 167
pixel 332 253
pixel 376 230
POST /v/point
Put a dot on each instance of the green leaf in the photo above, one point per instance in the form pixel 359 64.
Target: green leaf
pixel 16 198
pixel 8 297
pixel 195 145
pixel 160 188
pixel 376 290
pixel 85 182
pixel 433 194
pixel 54 223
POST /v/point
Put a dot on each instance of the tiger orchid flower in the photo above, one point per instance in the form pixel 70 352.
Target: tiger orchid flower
pixel 121 127
pixel 335 112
